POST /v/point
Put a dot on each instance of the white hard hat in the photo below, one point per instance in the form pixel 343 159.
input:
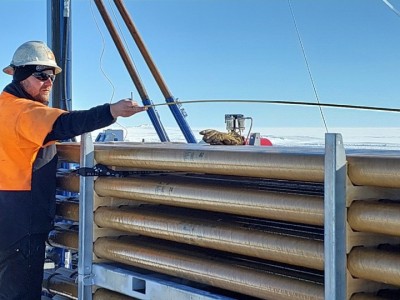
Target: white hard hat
pixel 32 53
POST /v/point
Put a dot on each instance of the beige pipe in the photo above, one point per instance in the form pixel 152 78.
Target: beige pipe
pixel 364 216
pixel 214 197
pixel 157 257
pixel 294 163
pixel 244 161
pixel 189 193
pixel 375 217
pixel 214 234
pixel 280 163
pixel 68 182
pixel 69 151
pixel 68 210
pixel 379 170
pixel 364 263
pixel 61 285
pixel 376 265
pixel 64 239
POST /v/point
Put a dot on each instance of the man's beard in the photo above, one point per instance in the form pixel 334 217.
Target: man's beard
pixel 38 97
pixel 43 101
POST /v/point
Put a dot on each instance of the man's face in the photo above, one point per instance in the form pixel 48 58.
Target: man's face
pixel 39 85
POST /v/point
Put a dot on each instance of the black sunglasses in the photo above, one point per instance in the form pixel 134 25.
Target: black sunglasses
pixel 44 76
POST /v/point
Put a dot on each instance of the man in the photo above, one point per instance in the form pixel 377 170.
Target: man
pixel 28 164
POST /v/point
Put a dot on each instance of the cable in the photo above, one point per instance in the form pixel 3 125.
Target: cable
pixel 284 102
pixel 102 53
pixel 130 56
pixel 307 64
pixel 101 67
pixel 391 7
pixel 123 38
pixel 251 126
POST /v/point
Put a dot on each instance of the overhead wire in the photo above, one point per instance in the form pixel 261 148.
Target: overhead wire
pixel 283 102
pixel 123 37
pixel 101 62
pixel 129 53
pixel 271 102
pixel 307 64
pixel 102 53
pixel 391 7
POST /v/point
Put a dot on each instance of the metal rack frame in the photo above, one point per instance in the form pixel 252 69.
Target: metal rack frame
pixel 335 218
pixel 109 276
pixel 142 286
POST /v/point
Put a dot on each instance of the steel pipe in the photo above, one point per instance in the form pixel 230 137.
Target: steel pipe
pixel 295 163
pixel 363 216
pixel 279 163
pixel 62 282
pixel 377 170
pixel 68 151
pixel 374 264
pixel 375 217
pixel 64 239
pixel 69 182
pixel 64 285
pixel 68 209
pixel 289 207
pixel 157 257
pixel 365 263
pixel 214 197
pixel 214 234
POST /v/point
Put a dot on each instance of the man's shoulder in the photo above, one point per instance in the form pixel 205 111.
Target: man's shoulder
pixel 10 99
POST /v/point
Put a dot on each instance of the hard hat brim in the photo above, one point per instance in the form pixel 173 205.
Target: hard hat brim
pixel 10 70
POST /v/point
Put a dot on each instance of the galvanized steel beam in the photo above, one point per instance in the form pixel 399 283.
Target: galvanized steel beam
pixel 335 218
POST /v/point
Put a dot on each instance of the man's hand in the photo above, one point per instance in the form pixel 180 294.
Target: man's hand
pixel 215 137
pixel 125 108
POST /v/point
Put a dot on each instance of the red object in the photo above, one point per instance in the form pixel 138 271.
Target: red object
pixel 265 142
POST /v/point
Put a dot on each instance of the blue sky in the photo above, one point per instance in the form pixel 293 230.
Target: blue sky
pixel 233 49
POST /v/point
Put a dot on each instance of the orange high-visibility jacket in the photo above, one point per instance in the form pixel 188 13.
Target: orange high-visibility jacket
pixel 25 124
pixel 28 160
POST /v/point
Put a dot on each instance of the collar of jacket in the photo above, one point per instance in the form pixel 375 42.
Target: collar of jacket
pixel 16 89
